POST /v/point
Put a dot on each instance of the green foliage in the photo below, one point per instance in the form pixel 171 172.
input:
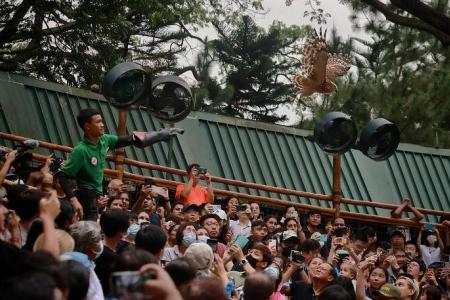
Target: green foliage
pixel 75 42
pixel 255 65
pixel 397 78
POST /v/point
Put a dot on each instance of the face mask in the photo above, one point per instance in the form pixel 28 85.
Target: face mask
pixel 251 260
pixel 99 251
pixel 431 239
pixel 202 238
pixel 188 239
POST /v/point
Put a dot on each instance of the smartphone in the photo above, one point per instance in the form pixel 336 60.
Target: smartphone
pixel 163 191
pixel 130 187
pixel 241 241
pixel 342 254
pixel 323 238
pixel 297 256
pixel 129 284
pixel 55 166
pixel 272 244
pixel 213 244
pixel 202 171
pixel 428 227
pixel 148 181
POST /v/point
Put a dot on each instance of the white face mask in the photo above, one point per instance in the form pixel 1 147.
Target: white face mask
pixel 432 239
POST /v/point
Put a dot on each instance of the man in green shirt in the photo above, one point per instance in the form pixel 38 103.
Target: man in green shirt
pixel 88 159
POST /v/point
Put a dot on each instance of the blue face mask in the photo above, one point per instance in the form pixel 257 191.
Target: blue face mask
pixel 202 238
pixel 97 255
pixel 188 239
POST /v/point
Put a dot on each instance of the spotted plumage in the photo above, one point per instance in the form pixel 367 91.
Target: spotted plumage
pixel 320 68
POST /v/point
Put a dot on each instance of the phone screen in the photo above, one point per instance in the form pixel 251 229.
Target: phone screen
pixel 241 241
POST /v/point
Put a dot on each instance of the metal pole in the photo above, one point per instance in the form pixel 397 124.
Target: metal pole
pixel 337 185
pixel 120 152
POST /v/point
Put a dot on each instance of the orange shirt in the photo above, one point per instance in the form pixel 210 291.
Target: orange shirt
pixel 198 195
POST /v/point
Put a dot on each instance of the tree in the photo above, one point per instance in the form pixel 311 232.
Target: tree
pixel 399 79
pixel 256 67
pixel 74 42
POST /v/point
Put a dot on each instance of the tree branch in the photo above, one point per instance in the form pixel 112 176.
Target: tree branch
pixel 408 22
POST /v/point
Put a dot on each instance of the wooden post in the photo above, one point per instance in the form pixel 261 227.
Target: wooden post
pixel 120 152
pixel 337 185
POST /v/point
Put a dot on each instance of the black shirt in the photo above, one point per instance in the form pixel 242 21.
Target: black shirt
pixel 302 291
pixel 104 266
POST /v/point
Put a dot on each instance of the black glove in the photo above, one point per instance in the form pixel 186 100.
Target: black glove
pixel 144 139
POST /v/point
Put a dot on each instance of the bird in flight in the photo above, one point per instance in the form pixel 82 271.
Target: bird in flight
pixel 320 68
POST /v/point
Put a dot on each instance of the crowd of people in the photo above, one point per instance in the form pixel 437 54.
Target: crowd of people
pixel 62 237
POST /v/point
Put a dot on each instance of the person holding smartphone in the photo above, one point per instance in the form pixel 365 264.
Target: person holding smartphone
pixel 432 247
pixel 192 192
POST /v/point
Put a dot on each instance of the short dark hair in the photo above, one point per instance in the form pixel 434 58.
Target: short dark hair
pixel 24 201
pixel 78 278
pixel 310 245
pixel 258 223
pixel 268 217
pixel 180 270
pixel 85 116
pixel 189 167
pixel 133 260
pixel 313 212
pixel 258 286
pixel 67 212
pixel 114 220
pixel 209 216
pixel 334 292
pixel 151 238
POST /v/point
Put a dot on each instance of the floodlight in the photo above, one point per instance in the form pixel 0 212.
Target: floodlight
pixel 379 139
pixel 335 133
pixel 124 85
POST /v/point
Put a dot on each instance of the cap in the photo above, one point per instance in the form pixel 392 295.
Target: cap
pixel 222 214
pixel 200 255
pixel 191 206
pixel 289 234
pixel 390 290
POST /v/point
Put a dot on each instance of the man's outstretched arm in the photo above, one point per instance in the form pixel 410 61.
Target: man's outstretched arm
pixel 143 139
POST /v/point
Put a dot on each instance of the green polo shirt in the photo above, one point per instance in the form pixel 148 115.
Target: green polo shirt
pixel 87 161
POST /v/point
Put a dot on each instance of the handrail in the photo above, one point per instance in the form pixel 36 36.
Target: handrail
pixel 262 199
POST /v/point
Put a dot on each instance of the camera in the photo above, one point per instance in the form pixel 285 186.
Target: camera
pixel 339 231
pixel 297 256
pixel 202 171
pixel 129 284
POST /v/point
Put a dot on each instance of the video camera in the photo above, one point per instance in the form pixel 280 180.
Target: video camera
pixel 23 164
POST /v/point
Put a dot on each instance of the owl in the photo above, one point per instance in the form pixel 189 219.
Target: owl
pixel 320 68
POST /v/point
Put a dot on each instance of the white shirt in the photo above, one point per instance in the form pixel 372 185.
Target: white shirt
pixel 95 291
pixel 240 229
pixel 430 254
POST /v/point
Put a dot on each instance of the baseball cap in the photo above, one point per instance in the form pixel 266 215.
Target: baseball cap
pixel 222 214
pixel 201 256
pixel 397 231
pixel 390 291
pixel 191 206
pixel 289 234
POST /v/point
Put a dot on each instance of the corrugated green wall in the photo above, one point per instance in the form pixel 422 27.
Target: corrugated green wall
pixel 234 148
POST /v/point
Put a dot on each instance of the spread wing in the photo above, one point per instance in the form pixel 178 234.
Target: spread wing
pixel 315 57
pixel 337 65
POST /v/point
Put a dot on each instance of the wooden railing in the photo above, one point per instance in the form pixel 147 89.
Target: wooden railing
pixel 335 199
